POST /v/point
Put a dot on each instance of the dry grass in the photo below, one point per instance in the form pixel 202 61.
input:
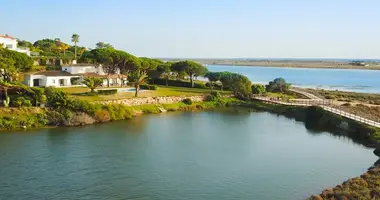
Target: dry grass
pixel 372 113
pixel 354 97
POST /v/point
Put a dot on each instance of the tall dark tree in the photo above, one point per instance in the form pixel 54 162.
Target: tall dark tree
pixel 102 45
pixel 192 69
pixel 277 85
pixel 213 77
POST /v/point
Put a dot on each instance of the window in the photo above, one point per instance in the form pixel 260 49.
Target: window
pixel 9 46
pixel 53 81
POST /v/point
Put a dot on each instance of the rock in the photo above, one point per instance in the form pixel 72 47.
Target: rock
pixel 152 100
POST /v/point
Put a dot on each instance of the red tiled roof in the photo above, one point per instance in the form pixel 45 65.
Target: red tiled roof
pixel 7 36
pixel 55 73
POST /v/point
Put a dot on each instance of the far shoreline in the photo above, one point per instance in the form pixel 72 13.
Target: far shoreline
pixel 295 66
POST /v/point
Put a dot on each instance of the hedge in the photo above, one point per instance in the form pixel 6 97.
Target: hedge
pixel 107 92
pixel 179 83
pixel 148 87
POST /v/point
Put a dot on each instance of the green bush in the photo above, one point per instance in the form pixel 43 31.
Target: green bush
pixel 107 92
pixel 179 83
pixel 258 89
pixel 118 111
pixel 187 101
pixel 27 103
pixel 148 87
pixel 213 96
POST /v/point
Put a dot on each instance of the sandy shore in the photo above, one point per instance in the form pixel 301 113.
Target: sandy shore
pixel 290 63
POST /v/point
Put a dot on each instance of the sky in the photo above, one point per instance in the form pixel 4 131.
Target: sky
pixel 205 28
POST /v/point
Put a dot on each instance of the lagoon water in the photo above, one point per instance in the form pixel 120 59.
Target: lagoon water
pixel 177 156
pixel 332 79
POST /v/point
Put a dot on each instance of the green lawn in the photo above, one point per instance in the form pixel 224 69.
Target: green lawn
pixel 162 91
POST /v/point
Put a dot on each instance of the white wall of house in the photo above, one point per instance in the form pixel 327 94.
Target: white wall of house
pixel 58 81
pixel 55 81
pixel 8 43
pixel 85 69
pixel 11 44
pixel 79 69
pixel 28 80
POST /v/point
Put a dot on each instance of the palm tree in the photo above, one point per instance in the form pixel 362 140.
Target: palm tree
pixel 138 78
pixel 93 82
pixel 75 39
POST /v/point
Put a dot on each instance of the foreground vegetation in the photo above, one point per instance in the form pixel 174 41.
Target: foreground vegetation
pixel 365 187
pixel 62 110
pixel 352 97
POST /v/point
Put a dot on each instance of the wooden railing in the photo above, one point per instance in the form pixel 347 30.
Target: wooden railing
pixel 323 103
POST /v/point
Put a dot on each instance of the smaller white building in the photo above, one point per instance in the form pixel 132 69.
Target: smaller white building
pixel 11 44
pixel 52 78
pixel 72 75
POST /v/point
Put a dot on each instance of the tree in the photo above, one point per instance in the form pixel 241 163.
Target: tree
pixel 258 89
pixel 93 83
pixel 24 43
pixel 5 86
pixel 213 77
pixel 239 84
pixel 7 69
pixel 277 85
pixel 113 61
pixel 101 45
pixel 75 39
pixel 164 69
pixel 62 46
pixel 138 78
pixel 192 69
pixel 21 61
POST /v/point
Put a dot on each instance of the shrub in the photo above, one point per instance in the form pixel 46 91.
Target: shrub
pixel 55 118
pixel 107 92
pixel 27 103
pixel 213 96
pixel 148 87
pixel 18 102
pixel 118 111
pixel 258 89
pixel 277 85
pixel 56 98
pixel 102 116
pixel 78 119
pixel 187 101
pixel 179 83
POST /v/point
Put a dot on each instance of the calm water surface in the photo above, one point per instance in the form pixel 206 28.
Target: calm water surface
pixel 333 79
pixel 206 155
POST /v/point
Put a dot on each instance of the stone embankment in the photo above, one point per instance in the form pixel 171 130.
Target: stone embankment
pixel 152 100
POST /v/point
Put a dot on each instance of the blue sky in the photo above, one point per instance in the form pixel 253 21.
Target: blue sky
pixel 205 28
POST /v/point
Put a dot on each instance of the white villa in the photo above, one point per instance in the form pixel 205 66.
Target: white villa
pixel 71 76
pixel 11 44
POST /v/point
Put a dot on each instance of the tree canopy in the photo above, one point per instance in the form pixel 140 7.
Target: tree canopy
pixel 192 69
pixel 102 45
pixel 21 61
pixel 239 84
pixel 258 89
pixel 277 85
pixel 93 82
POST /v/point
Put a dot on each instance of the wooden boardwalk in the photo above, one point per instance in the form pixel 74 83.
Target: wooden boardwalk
pixel 324 104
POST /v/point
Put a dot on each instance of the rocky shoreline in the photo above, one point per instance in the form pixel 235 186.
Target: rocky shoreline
pixel 367 186
pixel 152 100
